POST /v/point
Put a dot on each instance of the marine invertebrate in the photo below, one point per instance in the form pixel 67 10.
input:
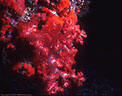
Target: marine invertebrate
pixel 40 35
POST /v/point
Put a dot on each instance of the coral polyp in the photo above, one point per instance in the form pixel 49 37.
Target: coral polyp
pixel 40 34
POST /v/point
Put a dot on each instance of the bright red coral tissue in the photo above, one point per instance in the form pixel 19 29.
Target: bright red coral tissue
pixel 42 34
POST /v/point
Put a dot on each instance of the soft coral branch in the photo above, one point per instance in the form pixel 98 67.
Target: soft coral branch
pixel 48 35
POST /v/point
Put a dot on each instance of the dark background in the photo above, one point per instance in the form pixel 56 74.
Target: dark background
pixel 104 54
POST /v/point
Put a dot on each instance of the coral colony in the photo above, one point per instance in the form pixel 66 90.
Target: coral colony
pixel 39 35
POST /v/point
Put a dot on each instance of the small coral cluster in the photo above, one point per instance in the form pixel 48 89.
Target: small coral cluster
pixel 41 35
